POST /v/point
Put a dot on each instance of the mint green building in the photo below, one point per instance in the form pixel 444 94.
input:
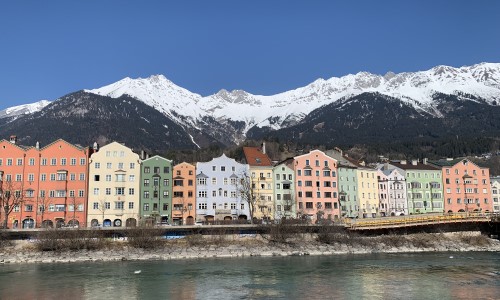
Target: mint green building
pixel 349 203
pixel 156 191
pixel 284 190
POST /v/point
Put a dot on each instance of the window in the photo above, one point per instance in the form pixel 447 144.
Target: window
pixel 202 181
pixel 146 194
pixel 131 191
pixel 307 172
pixel 119 191
pixel 31 162
pixel 63 161
pixel 202 194
pixel 131 205
pixel 82 161
pixel 214 180
pixel 96 205
pixel 146 182
pixel 82 176
pixel 109 165
pixel 72 161
pixel 119 205
pixel 145 207
pixel 81 193
pixel 131 178
pixel 309 194
pixel 120 166
pixel 309 205
pixel 108 191
pixel 108 177
pixel 202 206
pixel 96 191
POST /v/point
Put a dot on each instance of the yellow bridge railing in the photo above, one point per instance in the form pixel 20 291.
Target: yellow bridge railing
pixel 388 222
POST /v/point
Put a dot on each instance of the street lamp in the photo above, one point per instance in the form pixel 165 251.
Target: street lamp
pixel 156 184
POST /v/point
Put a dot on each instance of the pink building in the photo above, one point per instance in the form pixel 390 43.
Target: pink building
pixel 466 186
pixel 316 186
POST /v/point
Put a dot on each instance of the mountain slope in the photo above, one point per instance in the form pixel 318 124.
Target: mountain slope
pixel 84 118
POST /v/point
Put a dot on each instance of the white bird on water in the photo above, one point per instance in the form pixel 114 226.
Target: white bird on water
pixel 137 272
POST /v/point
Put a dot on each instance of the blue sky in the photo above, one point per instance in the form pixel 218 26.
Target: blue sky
pixel 51 48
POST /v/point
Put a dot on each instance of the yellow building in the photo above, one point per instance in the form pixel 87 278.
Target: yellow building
pixel 261 173
pixel 114 177
pixel 367 192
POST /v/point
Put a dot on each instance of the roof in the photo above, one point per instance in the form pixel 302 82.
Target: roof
pixel 255 157
pixel 410 166
pixel 452 162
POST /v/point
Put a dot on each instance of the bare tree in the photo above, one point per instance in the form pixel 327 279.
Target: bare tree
pixel 74 203
pixel 11 196
pixel 42 203
pixel 102 208
pixel 244 188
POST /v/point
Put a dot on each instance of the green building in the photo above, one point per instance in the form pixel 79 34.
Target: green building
pixel 284 190
pixel 347 183
pixel 156 191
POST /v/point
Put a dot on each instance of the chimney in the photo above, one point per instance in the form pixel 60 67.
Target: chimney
pixel 414 162
pixel 143 155
pixel 95 147
pixel 386 166
pixel 264 147
pixel 403 162
pixel 425 161
pixel 37 145
pixel 13 139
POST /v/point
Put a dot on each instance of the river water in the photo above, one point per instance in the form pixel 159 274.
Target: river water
pixel 375 276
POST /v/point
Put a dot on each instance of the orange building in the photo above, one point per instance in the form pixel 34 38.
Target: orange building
pixel 316 186
pixel 49 185
pixel 466 186
pixel 184 200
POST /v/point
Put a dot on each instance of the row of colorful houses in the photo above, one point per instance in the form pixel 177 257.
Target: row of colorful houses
pixel 62 184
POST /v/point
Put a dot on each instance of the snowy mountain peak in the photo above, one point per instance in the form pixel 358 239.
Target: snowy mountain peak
pixel 414 88
pixel 24 109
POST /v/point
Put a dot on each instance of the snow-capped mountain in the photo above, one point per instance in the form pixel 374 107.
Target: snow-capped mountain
pixel 281 110
pixel 23 109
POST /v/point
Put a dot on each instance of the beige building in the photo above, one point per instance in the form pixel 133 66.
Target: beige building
pixel 114 177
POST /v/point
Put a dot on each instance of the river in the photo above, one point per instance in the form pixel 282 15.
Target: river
pixel 374 276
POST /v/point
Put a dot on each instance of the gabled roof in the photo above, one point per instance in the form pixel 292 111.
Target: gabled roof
pixel 201 175
pixel 255 158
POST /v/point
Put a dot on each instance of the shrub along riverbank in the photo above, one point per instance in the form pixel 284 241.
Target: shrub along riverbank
pixel 148 244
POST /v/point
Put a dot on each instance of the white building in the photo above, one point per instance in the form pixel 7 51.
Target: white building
pixel 218 190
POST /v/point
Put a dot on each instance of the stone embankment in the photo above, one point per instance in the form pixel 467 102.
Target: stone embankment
pixel 233 246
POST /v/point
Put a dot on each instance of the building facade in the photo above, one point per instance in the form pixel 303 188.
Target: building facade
pixel 261 173
pixel 424 186
pixel 44 187
pixel 466 186
pixel 156 190
pixel 114 184
pixel 368 193
pixel 184 189
pixel 348 191
pixel 316 186
pixel 284 190
pixel 392 192
pixel 220 184
pixel 495 193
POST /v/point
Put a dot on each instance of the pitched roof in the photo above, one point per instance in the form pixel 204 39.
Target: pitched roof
pixel 255 157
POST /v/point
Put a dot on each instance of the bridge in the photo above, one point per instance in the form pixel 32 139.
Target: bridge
pixel 429 223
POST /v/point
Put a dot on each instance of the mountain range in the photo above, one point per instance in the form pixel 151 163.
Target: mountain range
pixel 360 108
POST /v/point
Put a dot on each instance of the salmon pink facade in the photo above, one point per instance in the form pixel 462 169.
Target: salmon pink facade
pixel 50 183
pixel 184 200
pixel 316 186
pixel 466 186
